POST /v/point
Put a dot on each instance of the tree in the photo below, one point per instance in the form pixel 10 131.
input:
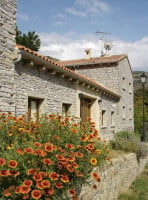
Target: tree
pixel 30 40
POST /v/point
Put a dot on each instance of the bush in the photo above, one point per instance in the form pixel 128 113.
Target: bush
pixel 48 159
pixel 129 142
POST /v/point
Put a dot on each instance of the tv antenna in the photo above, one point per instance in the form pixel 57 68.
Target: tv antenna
pixel 105 44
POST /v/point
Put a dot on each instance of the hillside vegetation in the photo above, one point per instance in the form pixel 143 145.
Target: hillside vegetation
pixel 138 100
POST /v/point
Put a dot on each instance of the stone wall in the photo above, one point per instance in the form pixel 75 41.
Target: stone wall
pixel 115 178
pixel 7 47
pixel 112 78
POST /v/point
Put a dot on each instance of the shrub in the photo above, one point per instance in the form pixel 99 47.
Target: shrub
pixel 48 159
pixel 129 142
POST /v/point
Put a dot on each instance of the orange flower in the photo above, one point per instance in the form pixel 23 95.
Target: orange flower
pixel 31 171
pixel 49 147
pixel 45 184
pixel 37 177
pixel 20 151
pixel 70 168
pixel 60 157
pixel 64 178
pixel 54 176
pixel 2 161
pixel 71 158
pixel 38 185
pixel 79 174
pixel 58 185
pixel 28 150
pixel 75 165
pixel 72 192
pixel 14 173
pixel 4 172
pixel 36 194
pixel 96 176
pixel 43 174
pixel 24 190
pixel 37 144
pixel 47 161
pixel 12 164
pixel 69 146
pixel 7 192
pixel 93 161
pixel 17 190
pixel 27 183
pixel 49 191
pixel 78 154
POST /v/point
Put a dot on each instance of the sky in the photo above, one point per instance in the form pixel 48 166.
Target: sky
pixel 68 27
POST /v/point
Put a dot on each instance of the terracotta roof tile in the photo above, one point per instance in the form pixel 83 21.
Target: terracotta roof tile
pixel 97 60
pixel 77 75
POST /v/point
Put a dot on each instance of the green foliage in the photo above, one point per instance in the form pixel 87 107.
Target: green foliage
pixel 129 142
pixel 138 109
pixel 61 152
pixel 30 40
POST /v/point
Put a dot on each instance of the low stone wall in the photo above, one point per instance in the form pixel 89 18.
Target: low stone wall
pixel 116 178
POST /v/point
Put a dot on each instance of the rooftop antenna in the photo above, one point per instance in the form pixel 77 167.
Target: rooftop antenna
pixel 105 44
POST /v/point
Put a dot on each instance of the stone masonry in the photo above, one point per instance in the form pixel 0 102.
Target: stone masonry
pixel 7 47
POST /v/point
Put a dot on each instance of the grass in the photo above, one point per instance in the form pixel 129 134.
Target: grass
pixel 139 189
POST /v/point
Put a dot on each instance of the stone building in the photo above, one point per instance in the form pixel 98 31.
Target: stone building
pixel 100 88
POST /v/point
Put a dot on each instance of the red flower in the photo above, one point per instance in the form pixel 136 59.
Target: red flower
pixel 27 183
pixel 71 158
pixel 58 185
pixel 37 177
pixel 26 196
pixel 60 157
pixel 17 190
pixel 49 191
pixel 37 144
pixel 54 176
pixel 28 150
pixel 72 192
pixel 70 168
pixel 75 165
pixel 64 178
pixel 78 154
pixel 69 146
pixel 96 176
pixel 14 173
pixel 24 189
pixel 31 171
pixel 12 164
pixel 47 161
pixel 7 192
pixel 45 184
pixel 2 161
pixel 49 147
pixel 36 194
pixel 4 173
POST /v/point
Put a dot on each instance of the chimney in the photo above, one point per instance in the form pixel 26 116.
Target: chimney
pixel 88 53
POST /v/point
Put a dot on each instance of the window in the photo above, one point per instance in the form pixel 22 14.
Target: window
pixel 123 83
pixel 130 114
pixel 112 118
pixel 103 118
pixel 65 109
pixel 130 87
pixel 123 112
pixel 34 107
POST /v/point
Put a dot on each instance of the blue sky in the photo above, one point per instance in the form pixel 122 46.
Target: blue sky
pixel 68 27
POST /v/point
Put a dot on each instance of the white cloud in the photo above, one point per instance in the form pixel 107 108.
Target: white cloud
pixel 74 11
pixel 65 48
pixel 23 17
pixel 93 6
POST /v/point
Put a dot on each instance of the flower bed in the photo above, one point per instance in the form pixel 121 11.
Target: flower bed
pixel 47 159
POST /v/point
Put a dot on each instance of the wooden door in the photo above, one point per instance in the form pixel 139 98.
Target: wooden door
pixel 85 109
